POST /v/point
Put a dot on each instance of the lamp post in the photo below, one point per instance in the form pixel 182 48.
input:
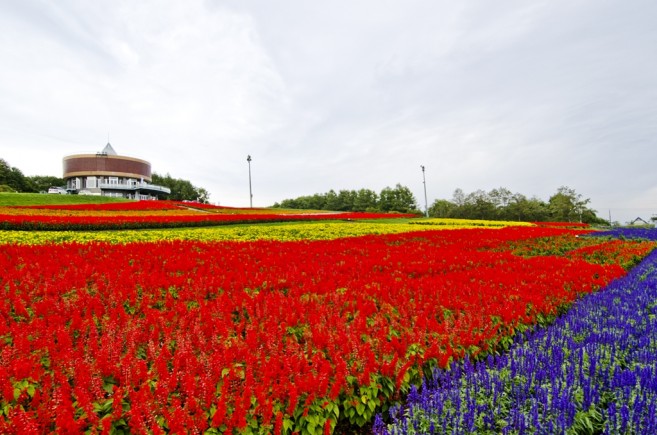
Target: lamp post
pixel 424 181
pixel 248 159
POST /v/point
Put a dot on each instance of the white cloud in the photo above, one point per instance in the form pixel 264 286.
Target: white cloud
pixel 531 96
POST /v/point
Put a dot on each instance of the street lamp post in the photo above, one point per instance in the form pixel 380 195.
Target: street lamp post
pixel 424 181
pixel 248 159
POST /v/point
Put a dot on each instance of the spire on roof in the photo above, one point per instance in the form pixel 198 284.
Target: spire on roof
pixel 108 150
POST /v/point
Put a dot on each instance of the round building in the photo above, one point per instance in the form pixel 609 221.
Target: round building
pixel 108 174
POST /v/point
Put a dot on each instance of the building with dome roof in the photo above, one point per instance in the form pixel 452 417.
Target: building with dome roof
pixel 108 174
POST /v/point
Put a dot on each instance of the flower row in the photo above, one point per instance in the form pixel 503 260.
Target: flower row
pixel 140 206
pixel 288 231
pixel 76 222
pixel 630 233
pixel 109 206
pixel 447 222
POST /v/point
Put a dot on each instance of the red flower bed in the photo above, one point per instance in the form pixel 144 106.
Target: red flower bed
pixel 61 223
pixel 281 336
pixel 111 206
pixel 137 206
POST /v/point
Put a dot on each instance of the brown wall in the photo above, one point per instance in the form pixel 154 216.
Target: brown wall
pixel 114 166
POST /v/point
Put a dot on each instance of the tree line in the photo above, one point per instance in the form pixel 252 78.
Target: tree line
pixel 566 205
pixel 390 199
pixel 13 180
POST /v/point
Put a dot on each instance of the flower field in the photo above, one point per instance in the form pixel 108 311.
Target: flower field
pixel 154 214
pixel 593 371
pixel 154 221
pixel 307 327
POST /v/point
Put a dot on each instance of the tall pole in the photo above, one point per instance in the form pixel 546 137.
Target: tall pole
pixel 248 159
pixel 426 204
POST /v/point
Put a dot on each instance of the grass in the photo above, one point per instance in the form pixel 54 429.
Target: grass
pixel 13 199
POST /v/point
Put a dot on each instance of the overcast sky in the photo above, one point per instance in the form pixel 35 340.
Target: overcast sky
pixel 527 95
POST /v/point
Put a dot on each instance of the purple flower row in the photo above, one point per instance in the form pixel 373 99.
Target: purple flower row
pixel 593 371
pixel 628 233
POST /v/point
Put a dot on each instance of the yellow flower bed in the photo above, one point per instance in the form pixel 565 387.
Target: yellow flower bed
pixel 285 231
pixel 469 223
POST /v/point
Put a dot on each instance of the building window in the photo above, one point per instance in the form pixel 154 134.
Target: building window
pixel 91 182
pixel 113 180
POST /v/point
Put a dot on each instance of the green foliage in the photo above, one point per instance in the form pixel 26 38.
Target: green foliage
pixel 567 205
pixel 501 204
pixel 365 200
pixel 442 208
pixel 13 178
pixel 41 183
pixel 181 190
pixel 400 199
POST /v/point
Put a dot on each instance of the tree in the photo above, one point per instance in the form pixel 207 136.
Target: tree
pixel 346 200
pixel 525 209
pixel 442 208
pixel 332 201
pixel 13 177
pixel 567 205
pixel 399 199
pixel 41 183
pixel 480 206
pixel 500 197
pixel 311 202
pixel 5 170
pixel 458 197
pixel 181 190
pixel 203 195
pixel 365 200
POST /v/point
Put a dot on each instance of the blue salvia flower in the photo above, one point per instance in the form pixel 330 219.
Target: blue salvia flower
pixel 379 426
pixel 629 233
pixel 414 396
pixel 625 417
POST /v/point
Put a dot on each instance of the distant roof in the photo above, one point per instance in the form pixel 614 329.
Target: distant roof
pixel 109 150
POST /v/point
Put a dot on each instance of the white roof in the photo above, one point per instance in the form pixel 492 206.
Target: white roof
pixel 109 150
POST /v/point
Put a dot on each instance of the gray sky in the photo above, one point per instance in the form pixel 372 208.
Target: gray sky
pixel 527 95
